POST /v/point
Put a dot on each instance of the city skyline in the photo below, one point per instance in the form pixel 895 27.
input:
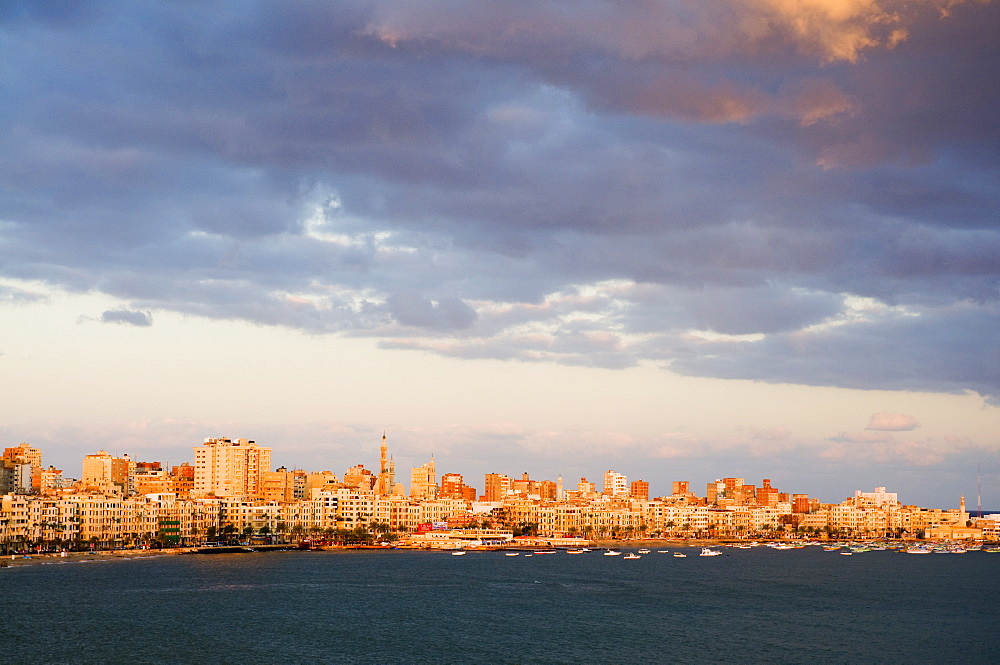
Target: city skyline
pixel 682 241
pixel 382 473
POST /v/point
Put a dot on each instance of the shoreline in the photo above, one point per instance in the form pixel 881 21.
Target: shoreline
pixel 50 558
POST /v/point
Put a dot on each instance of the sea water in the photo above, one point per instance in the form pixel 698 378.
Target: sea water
pixel 374 606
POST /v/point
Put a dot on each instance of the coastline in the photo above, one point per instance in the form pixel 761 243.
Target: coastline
pixel 50 558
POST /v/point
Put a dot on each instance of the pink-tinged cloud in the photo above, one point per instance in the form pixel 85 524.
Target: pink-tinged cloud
pixel 886 421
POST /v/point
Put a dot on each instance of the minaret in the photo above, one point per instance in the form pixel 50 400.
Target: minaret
pixel 384 467
pixel 386 474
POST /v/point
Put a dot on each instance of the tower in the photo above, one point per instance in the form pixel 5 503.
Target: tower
pixel 387 470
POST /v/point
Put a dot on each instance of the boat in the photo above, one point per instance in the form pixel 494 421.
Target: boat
pixel 458 553
pixel 917 549
pixel 708 551
pixel 631 555
pixel 574 551
pixel 612 553
pixel 680 555
pixel 512 554
pixel 846 553
pixel 644 551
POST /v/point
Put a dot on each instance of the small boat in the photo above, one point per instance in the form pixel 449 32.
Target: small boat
pixel 631 555
pixel 644 551
pixel 846 553
pixel 917 549
pixel 458 553
pixel 574 551
pixel 612 553
pixel 662 551
pixel 512 554
pixel 680 555
pixel 708 551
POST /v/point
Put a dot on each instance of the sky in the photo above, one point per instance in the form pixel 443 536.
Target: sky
pixel 682 240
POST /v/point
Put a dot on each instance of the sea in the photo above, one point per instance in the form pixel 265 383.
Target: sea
pixel 756 605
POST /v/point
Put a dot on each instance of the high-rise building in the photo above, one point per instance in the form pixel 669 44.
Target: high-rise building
pixel 15 477
pixel 767 495
pixel 496 487
pixel 97 470
pixel 278 485
pixel 359 477
pixel 224 467
pixel 25 454
pixel 639 489
pixel 423 481
pixel 615 484
pixel 50 480
pixel 681 488
pixel 453 487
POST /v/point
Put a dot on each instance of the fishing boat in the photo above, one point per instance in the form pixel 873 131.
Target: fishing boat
pixel 917 549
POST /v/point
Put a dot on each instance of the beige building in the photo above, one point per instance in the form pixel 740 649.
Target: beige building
pixel 224 467
pixel 423 481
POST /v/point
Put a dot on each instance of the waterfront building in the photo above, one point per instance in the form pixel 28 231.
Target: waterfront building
pixel 278 485
pixel 223 467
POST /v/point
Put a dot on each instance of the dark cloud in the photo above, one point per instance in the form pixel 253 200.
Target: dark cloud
pixel 140 319
pixel 412 309
pixel 588 183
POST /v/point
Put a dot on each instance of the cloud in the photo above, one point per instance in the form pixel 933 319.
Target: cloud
pixel 124 316
pixel 412 309
pixel 885 421
pixel 862 437
pixel 18 296
pixel 713 187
